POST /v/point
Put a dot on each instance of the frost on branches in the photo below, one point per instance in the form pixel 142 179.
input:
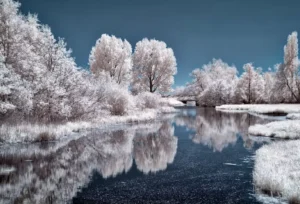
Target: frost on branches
pixel 111 57
pixel 13 92
pixel 215 83
pixel 41 81
pixel 154 67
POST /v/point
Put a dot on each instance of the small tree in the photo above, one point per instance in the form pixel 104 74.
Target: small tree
pixel 154 67
pixel 251 85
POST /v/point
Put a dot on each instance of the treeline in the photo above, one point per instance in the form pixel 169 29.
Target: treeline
pixel 218 83
pixel 40 79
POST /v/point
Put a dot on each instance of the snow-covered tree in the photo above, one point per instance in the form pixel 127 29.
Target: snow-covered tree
pixel 154 67
pixel 251 85
pixel 269 79
pixel 215 83
pixel 288 79
pixel 111 57
pixel 14 94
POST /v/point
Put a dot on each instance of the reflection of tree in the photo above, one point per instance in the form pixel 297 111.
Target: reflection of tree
pixel 53 174
pixel 55 177
pixel 154 151
pixel 218 129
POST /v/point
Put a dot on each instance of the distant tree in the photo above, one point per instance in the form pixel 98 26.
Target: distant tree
pixel 111 57
pixel 269 79
pixel 251 85
pixel 154 67
pixel 214 84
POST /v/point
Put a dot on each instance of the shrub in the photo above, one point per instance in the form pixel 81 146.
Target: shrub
pixel 119 100
pixel 148 100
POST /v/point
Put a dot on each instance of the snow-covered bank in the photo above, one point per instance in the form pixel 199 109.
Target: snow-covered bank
pixel 276 170
pixel 289 129
pixel 276 109
pixel 25 132
pixel 293 116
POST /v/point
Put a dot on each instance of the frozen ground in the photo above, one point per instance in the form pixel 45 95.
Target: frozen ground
pixel 289 129
pixel 276 170
pixel 276 109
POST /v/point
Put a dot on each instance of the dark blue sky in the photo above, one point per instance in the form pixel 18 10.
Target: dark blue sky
pixel 237 31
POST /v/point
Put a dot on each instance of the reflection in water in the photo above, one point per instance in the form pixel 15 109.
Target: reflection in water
pixel 152 152
pixel 217 129
pixel 53 174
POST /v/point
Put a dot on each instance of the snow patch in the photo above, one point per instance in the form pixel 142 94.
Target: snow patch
pixel 293 116
pixel 262 108
pixel 280 129
pixel 277 170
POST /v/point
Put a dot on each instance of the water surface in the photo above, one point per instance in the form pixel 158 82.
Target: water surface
pixel 196 156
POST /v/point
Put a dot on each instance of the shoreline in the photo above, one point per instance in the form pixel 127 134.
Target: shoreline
pixel 34 133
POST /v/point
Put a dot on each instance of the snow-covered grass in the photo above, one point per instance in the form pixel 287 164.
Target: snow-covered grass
pixel 289 129
pixel 276 109
pixel 277 170
pixel 293 116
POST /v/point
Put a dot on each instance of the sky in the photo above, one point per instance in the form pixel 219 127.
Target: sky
pixel 237 31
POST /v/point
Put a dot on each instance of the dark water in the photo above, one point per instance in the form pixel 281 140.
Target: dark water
pixel 196 156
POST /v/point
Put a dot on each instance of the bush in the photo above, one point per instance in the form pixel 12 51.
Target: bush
pixel 148 100
pixel 119 100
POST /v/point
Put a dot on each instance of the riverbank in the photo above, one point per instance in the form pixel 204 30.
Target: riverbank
pixel 25 132
pixel 287 128
pixel 268 109
pixel 276 170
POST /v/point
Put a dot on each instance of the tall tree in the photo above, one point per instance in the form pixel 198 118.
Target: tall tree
pixel 111 57
pixel 154 66
pixel 288 73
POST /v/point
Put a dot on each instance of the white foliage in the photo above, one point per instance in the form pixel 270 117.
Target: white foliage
pixel 154 67
pixel 13 92
pixel 215 83
pixel 251 85
pixel 111 57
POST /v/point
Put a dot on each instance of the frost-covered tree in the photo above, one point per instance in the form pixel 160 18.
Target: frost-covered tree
pixel 269 79
pixel 16 33
pixel 111 57
pixel 154 67
pixel 14 94
pixel 287 75
pixel 32 54
pixel 251 85
pixel 215 83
